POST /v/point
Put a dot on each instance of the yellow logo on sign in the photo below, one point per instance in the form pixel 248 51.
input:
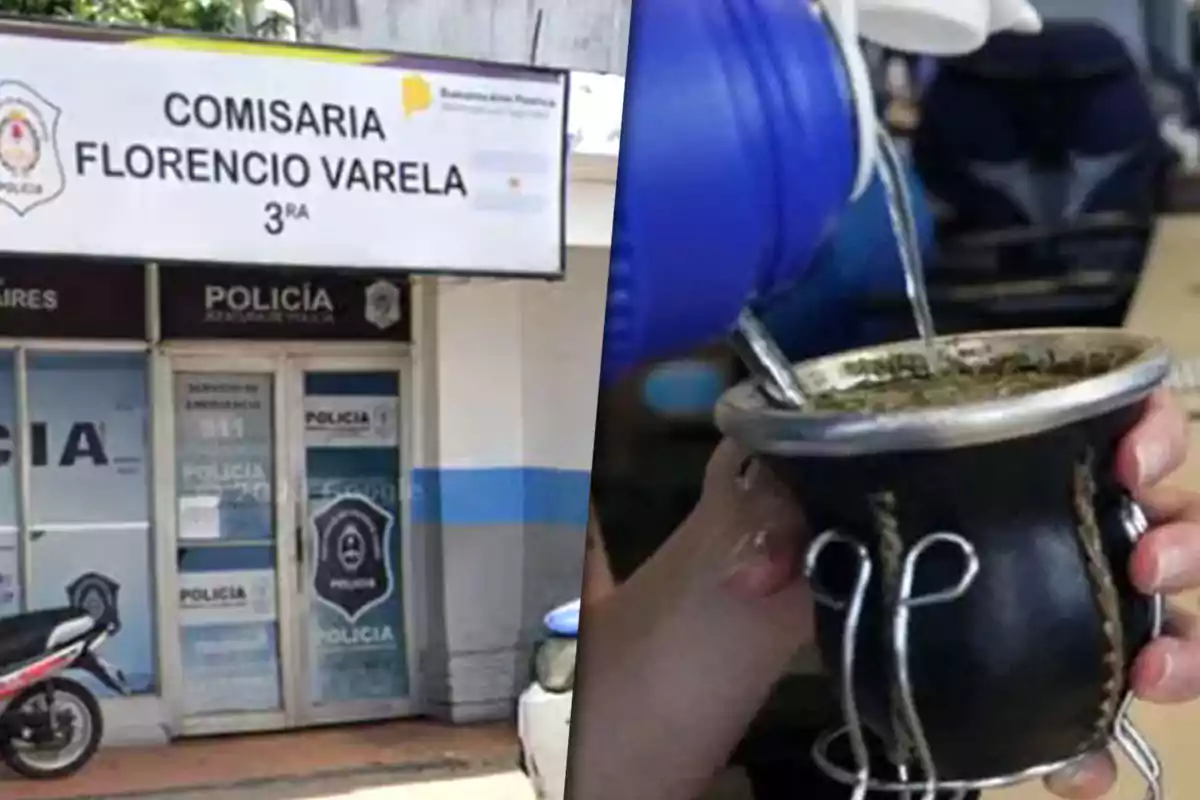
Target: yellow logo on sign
pixel 415 94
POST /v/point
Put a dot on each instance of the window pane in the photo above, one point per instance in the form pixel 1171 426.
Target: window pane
pixel 229 629
pixel 228 604
pixel 356 635
pixel 89 526
pixel 225 456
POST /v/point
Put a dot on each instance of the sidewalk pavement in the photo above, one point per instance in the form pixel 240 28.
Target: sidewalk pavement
pixel 305 764
pixel 511 785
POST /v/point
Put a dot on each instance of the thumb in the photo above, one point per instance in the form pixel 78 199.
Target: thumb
pixel 765 557
pixel 763 563
pixel 1088 779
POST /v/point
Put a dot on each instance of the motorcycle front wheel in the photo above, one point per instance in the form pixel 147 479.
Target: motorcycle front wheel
pixel 65 734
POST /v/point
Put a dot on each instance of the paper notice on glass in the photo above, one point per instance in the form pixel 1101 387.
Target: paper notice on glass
pixel 200 517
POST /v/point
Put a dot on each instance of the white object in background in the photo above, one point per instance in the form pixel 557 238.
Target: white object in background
pixel 843 15
pixel 1185 376
pixel 1184 141
pixel 942 27
pixel 544 730
pixel 933 27
pixel 282 16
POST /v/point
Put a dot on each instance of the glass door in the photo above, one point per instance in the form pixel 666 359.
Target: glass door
pixel 352 603
pixel 235 569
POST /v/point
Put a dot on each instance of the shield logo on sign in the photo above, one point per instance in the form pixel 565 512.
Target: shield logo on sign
pixel 31 171
pixel 354 568
pixel 383 304
pixel 97 595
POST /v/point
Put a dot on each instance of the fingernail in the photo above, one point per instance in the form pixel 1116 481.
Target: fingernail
pixel 1169 565
pixel 750 548
pixel 762 548
pixel 1168 667
pixel 1151 459
pixel 747 474
pixel 1068 778
pixel 1089 777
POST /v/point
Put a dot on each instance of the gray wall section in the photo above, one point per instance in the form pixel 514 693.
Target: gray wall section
pixel 490 586
pixel 575 34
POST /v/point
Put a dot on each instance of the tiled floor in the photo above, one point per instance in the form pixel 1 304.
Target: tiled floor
pixel 396 752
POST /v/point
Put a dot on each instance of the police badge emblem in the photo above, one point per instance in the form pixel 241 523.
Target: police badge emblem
pixel 31 172
pixel 383 304
pixel 354 567
pixel 97 595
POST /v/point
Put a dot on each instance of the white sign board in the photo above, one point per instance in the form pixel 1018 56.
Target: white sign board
pixel 350 421
pixel 226 598
pixel 185 149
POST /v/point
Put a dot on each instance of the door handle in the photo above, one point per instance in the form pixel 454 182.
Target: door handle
pixel 301 561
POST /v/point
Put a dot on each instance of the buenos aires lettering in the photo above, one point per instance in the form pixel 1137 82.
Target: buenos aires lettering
pixel 19 298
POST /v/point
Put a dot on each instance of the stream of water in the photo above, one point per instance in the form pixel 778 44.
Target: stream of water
pixel 904 226
pixel 758 349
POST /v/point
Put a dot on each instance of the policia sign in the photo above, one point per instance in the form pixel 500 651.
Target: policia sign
pixel 295 305
pixel 220 151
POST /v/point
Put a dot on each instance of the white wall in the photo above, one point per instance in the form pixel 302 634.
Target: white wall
pixel 562 326
pixel 589 225
pixel 478 372
pixel 517 365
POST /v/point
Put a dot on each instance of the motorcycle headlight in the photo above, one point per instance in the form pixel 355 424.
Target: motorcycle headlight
pixel 554 665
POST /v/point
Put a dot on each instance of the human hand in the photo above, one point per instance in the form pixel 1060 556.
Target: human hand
pixel 1167 561
pixel 766 559
pixel 768 525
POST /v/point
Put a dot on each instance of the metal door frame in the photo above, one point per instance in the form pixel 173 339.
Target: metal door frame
pixel 165 507
pixel 366 710
pixel 287 362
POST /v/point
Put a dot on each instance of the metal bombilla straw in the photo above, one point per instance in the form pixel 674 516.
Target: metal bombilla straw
pixel 758 350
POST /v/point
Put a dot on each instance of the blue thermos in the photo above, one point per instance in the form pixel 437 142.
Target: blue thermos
pixel 747 129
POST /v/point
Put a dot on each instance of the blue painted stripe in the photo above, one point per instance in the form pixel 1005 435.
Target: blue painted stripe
pixel 501 496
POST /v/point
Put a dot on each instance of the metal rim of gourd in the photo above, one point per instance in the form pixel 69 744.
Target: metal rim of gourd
pixel 745 415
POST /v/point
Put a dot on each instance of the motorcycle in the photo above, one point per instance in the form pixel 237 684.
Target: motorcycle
pixel 51 725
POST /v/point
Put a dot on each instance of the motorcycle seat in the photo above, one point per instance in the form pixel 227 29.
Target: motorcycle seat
pixel 24 637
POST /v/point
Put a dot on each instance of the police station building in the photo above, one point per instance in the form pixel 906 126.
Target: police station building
pixel 298 367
